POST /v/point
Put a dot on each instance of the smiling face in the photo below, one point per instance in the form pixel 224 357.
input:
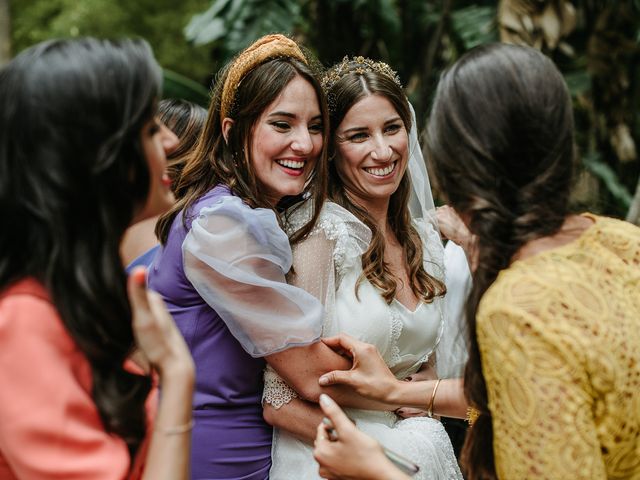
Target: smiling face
pixel 371 150
pixel 157 142
pixel 286 140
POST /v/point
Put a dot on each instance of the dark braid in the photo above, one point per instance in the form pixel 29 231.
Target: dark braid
pixel 500 137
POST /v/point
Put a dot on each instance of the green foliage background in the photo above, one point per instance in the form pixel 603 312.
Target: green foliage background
pixel 192 39
pixel 161 22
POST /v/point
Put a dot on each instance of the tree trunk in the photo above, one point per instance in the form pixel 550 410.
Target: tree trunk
pixel 5 32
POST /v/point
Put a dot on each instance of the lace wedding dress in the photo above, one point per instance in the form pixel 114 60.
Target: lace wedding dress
pixel 328 264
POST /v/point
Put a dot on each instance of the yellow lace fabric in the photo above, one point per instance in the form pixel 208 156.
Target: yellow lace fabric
pixel 559 337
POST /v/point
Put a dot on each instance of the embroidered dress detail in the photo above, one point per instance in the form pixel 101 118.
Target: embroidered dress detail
pixel 276 391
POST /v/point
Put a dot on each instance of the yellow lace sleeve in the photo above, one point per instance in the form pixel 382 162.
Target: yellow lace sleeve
pixel 558 336
pixel 538 395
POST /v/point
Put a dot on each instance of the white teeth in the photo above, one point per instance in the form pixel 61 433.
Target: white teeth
pixel 290 163
pixel 381 172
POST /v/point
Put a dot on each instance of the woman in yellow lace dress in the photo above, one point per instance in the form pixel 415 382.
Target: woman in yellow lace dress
pixel 554 313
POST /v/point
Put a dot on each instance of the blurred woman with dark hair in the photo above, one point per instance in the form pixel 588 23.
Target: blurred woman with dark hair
pixel 82 156
pixel 185 120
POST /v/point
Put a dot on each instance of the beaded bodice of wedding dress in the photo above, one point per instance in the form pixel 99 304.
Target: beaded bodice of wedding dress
pixel 328 265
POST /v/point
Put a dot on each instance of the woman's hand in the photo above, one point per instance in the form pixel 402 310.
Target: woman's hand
pixel 369 376
pixel 350 454
pixel 156 334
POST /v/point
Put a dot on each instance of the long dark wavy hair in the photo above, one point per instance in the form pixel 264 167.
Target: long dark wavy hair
pixel 500 137
pixel 72 175
pixel 215 161
pixel 344 93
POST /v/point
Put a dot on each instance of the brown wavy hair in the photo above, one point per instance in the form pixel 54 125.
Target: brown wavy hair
pixel 215 161
pixel 500 137
pixel 344 93
pixel 186 120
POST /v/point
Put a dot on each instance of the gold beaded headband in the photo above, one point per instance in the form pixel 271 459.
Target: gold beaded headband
pixel 358 65
pixel 263 49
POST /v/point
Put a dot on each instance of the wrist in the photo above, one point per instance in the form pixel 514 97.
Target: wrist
pixel 177 370
pixel 396 392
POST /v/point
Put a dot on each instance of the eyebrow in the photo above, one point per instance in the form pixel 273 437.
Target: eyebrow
pixel 362 129
pixel 290 115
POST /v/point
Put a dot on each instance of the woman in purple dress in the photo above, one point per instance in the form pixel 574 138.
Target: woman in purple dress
pixel 224 256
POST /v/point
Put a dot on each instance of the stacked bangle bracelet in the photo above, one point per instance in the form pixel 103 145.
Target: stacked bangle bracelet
pixel 433 397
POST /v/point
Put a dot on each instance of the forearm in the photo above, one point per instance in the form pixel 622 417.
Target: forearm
pixel 169 450
pixel 300 367
pixel 304 380
pixel 298 417
pixel 449 400
pixel 347 397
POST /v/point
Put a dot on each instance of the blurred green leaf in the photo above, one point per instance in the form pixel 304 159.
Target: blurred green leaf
pixel 179 86
pixel 578 82
pixel 475 25
pixel 594 163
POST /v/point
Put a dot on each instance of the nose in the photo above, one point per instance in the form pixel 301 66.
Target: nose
pixel 169 139
pixel 381 149
pixel 302 143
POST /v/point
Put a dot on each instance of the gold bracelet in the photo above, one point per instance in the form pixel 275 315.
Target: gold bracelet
pixel 187 427
pixel 433 397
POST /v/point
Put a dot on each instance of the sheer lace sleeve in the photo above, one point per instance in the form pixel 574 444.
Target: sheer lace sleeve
pixel 236 258
pixel 337 240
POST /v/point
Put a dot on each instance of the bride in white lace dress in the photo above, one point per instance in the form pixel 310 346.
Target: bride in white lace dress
pixel 396 302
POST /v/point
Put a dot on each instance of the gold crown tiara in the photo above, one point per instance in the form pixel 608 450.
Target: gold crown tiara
pixel 358 65
pixel 265 48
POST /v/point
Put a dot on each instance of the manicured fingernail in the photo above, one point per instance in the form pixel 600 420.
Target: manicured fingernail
pixel 325 400
pixel 139 275
pixel 323 380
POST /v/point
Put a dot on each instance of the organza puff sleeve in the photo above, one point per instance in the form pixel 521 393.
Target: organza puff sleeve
pixel 237 259
pixel 319 262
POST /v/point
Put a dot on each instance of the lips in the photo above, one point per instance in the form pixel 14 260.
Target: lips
pixel 291 167
pixel 293 164
pixel 166 181
pixel 381 171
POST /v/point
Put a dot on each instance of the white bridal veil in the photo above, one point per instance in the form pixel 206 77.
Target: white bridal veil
pixel 451 353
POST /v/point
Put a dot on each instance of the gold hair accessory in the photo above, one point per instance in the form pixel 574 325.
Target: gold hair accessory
pixel 472 415
pixel 265 48
pixel 358 65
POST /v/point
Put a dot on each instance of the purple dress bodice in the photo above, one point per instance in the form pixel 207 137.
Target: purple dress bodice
pixel 230 438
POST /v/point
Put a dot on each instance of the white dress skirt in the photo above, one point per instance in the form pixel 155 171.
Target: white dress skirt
pixel 328 265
